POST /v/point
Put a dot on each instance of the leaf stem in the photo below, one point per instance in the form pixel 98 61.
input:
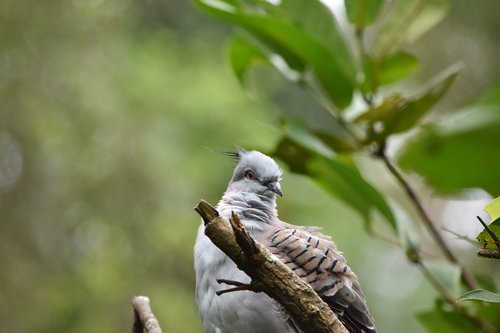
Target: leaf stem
pixel 467 278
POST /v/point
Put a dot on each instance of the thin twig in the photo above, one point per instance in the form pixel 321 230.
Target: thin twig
pixel 469 280
pixel 461 237
pixel 143 316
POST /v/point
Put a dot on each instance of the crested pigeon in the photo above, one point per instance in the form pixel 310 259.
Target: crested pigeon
pixel 251 194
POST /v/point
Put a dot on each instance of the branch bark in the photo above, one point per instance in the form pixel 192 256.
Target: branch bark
pixel 144 319
pixel 269 274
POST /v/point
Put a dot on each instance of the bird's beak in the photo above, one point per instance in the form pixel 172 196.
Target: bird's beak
pixel 276 188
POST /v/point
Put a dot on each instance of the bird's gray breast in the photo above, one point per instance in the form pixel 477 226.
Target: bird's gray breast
pixel 251 208
pixel 241 311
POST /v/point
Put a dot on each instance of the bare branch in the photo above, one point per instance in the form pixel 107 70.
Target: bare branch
pixel 468 278
pixel 269 274
pixel 143 316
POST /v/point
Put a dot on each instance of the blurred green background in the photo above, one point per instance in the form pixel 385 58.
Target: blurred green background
pixel 109 113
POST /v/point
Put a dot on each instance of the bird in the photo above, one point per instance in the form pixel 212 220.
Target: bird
pixel 251 194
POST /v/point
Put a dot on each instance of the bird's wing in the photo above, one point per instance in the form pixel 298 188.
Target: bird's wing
pixel 315 258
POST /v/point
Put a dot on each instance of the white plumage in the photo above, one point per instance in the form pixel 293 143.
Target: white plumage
pixel 251 194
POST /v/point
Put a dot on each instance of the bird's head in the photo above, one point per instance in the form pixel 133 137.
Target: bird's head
pixel 255 173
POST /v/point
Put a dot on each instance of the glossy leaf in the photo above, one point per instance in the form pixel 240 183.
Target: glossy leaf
pixel 316 121
pixel 397 67
pixel 480 295
pixel 398 114
pixel 294 44
pixel 443 320
pixel 315 19
pixel 493 208
pixel 298 133
pixel 362 13
pixel 461 154
pixel 242 55
pixel 380 72
pixel 337 177
pixel 407 21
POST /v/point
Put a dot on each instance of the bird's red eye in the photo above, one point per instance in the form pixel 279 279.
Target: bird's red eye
pixel 250 175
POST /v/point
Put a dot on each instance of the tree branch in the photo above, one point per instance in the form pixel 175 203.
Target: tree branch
pixel 143 316
pixel 269 274
pixel 468 279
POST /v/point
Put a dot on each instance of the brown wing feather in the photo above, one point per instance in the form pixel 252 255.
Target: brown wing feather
pixel 315 258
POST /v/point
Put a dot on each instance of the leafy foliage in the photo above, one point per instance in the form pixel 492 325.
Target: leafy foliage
pixel 303 41
pixel 243 54
pixel 339 177
pixel 362 13
pixel 469 140
pixel 485 237
pixel 303 44
pixel 397 114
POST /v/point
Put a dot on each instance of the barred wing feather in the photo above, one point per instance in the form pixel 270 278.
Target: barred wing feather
pixel 315 258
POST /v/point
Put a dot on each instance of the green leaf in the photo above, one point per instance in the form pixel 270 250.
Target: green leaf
pixel 397 114
pixel 242 55
pixel 480 295
pixel 407 21
pixel 485 238
pixel 298 133
pixel 337 177
pixel 315 19
pixel 460 154
pixel 362 13
pixel 445 320
pixel 398 66
pixel 317 122
pixel 447 274
pixel 493 208
pixel 430 14
pixel 296 45
pixel 386 71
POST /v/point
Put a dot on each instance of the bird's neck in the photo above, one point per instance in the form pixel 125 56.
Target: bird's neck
pixel 251 207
